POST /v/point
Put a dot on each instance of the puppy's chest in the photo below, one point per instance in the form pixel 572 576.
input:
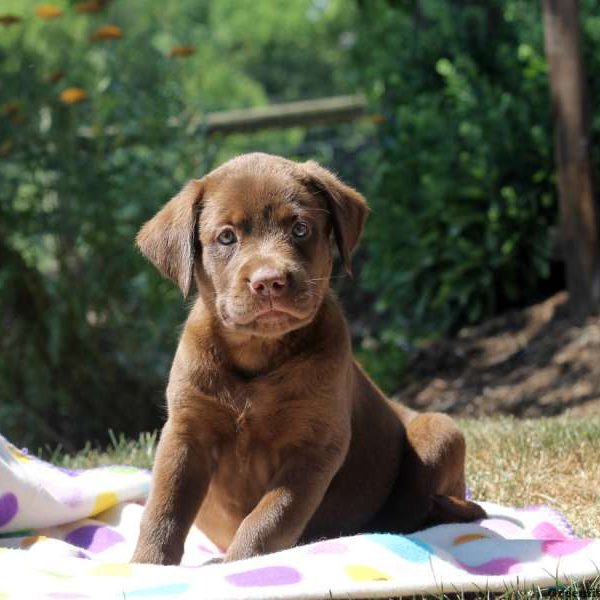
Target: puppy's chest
pixel 250 453
pixel 264 419
pixel 257 420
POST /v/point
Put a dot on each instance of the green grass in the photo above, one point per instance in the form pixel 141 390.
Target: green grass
pixel 122 451
pixel 553 461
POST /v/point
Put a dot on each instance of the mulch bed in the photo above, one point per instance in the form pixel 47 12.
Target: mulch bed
pixel 529 363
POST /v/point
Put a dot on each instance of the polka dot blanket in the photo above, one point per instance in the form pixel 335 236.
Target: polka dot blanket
pixel 69 534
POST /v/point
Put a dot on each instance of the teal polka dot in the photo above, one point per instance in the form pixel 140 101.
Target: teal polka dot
pixel 413 551
pixel 160 590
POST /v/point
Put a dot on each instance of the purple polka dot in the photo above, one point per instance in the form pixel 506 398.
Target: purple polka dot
pixel 547 531
pixel 328 547
pixel 70 472
pixel 498 566
pixel 563 547
pixel 265 576
pixel 94 538
pixel 9 506
pixel 71 498
pixel 207 550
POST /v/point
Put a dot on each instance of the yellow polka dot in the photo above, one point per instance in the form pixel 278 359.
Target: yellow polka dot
pixel 365 573
pixel 104 501
pixel 57 574
pixel 112 570
pixel 468 537
pixel 18 454
pixel 31 540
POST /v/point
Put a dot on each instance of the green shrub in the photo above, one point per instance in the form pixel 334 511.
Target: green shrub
pixel 464 197
pixel 88 327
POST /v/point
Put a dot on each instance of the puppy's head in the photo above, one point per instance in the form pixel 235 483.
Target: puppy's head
pixel 257 233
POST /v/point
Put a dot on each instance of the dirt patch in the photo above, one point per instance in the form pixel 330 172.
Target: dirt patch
pixel 526 363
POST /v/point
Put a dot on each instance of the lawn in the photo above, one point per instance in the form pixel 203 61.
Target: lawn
pixel 553 461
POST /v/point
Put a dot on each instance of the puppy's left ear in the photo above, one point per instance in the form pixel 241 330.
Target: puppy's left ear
pixel 168 239
pixel 347 207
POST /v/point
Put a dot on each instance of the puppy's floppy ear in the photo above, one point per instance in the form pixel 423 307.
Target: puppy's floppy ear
pixel 168 238
pixel 347 207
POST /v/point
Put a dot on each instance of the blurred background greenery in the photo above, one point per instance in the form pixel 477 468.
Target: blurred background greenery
pixel 101 107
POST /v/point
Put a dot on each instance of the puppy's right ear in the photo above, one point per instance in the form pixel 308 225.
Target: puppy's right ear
pixel 347 207
pixel 168 239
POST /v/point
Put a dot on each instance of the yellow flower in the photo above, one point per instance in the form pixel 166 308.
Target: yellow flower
pixel 106 32
pixel 8 20
pixel 48 11
pixel 93 6
pixel 182 51
pixel 73 95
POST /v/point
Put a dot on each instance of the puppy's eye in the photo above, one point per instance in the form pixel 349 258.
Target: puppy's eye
pixel 227 237
pixel 300 229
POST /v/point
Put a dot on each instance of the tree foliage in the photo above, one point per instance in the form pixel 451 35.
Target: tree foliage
pixel 464 198
pixel 101 123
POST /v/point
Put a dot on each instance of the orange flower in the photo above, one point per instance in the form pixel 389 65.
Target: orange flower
pixel 12 111
pixel 48 11
pixel 93 6
pixel 12 108
pixel 181 51
pixel 8 20
pixel 73 95
pixel 56 76
pixel 106 32
pixel 6 147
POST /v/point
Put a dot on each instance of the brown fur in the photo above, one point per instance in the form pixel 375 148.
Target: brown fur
pixel 274 433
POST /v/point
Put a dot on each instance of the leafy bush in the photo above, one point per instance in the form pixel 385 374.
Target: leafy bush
pixel 464 197
pixel 101 122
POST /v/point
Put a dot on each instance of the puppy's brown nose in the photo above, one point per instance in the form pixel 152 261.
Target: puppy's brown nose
pixel 268 282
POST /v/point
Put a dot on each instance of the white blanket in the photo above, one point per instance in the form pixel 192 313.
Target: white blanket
pixel 70 534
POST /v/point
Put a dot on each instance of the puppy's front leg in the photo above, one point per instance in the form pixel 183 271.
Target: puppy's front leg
pixel 180 479
pixel 282 514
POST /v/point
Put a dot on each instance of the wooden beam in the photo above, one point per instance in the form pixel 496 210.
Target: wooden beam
pixel 292 114
pixel 578 211
pixel 306 113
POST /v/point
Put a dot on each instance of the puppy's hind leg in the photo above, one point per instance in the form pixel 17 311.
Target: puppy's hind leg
pixel 430 486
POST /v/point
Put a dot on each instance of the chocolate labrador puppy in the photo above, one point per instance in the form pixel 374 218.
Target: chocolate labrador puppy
pixel 275 435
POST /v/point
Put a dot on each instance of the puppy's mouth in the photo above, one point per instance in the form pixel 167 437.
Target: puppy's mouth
pixel 269 315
